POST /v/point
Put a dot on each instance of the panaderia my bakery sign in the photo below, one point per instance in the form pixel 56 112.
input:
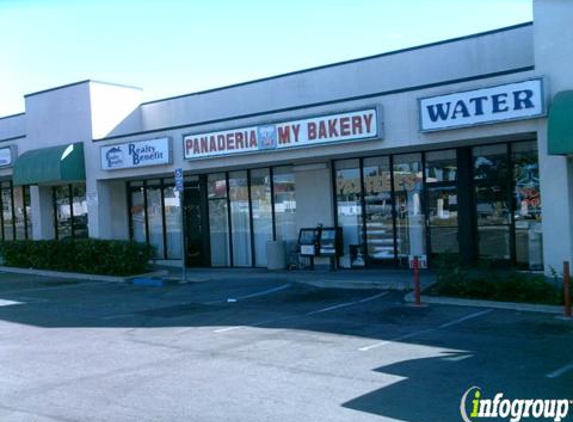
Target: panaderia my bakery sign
pixel 320 130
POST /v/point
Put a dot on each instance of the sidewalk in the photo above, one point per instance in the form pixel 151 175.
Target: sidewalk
pixel 385 279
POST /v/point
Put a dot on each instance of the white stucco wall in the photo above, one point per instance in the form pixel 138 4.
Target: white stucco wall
pixel 554 59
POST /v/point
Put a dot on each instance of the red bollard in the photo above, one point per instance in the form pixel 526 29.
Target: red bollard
pixel 566 289
pixel 416 268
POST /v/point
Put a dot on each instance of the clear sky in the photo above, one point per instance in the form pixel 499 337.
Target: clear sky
pixel 173 47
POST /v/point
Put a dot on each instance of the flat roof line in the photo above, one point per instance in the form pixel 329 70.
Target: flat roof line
pixel 13 138
pixel 12 115
pixel 79 83
pixel 311 69
pixel 323 103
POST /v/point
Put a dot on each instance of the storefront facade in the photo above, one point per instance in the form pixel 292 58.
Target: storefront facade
pixel 438 149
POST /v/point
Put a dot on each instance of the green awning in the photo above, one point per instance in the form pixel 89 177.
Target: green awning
pixel 560 127
pixel 61 164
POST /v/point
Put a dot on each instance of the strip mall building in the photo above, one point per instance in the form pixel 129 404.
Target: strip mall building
pixel 455 147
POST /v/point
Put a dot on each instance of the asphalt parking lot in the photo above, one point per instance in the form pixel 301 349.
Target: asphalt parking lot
pixel 261 350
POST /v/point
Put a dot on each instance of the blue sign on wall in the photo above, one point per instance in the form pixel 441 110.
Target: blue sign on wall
pixel 179 180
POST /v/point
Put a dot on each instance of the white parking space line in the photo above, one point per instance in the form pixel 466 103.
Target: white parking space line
pixel 560 371
pixel 289 317
pixel 250 295
pixel 428 330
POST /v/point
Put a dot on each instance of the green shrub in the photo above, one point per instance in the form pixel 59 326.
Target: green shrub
pixel 91 256
pixel 490 284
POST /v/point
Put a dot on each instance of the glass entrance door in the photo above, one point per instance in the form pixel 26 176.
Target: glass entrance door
pixel 195 240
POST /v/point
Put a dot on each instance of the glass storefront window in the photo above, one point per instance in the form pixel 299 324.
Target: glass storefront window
pixel 7 211
pixel 28 210
pixel 378 209
pixel 70 210
pixel 240 218
pixel 349 210
pixel 493 207
pixel 442 201
pixel 137 214
pixel 410 220
pixel 172 212
pixel 441 166
pixel 527 205
pixel 63 211
pixel 19 213
pixel 285 207
pixel 217 186
pixel 262 213
pixel 79 212
pixel 219 220
pixel 155 219
pixel 491 162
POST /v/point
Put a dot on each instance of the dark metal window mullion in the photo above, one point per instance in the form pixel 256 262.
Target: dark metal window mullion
pixel 425 210
pixel 71 202
pixel 25 211
pixel 13 213
pixel 334 199
pixel 251 226
pixel 2 213
pixel 163 223
pixel 229 222
pixel 145 212
pixel 394 211
pixel 272 177
pixel 512 204
pixel 129 209
pixel 364 245
pixel 55 208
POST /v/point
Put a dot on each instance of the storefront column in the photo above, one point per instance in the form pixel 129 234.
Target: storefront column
pixel 42 213
pixel 556 177
pixel 107 210
pixel 553 51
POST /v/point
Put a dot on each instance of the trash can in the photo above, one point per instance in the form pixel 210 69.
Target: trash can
pixel 276 255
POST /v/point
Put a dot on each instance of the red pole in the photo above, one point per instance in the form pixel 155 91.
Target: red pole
pixel 416 266
pixel 566 289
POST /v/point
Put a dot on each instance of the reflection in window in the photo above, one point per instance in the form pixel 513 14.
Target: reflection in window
pixel 240 218
pixel 262 213
pixel 408 188
pixel 63 211
pixel 378 208
pixel 19 212
pixel 137 214
pixel 155 218
pixel 527 200
pixel 79 212
pixel 285 207
pixel 7 211
pixel 70 210
pixel 441 166
pixel 219 220
pixel 172 223
pixel 349 210
pixel 491 162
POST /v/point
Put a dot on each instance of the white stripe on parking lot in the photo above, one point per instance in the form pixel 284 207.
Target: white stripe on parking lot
pixel 560 371
pixel 318 311
pixel 250 295
pixel 428 330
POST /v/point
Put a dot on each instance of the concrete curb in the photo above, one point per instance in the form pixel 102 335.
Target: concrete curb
pixel 80 276
pixel 513 306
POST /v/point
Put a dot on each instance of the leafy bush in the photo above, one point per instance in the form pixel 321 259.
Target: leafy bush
pixel 91 256
pixel 489 284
